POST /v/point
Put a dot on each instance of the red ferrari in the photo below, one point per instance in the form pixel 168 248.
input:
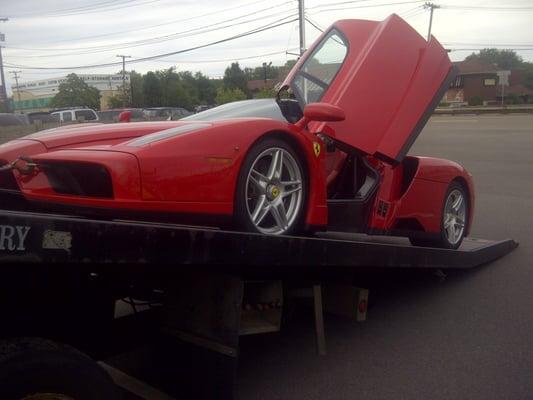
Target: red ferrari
pixel 330 152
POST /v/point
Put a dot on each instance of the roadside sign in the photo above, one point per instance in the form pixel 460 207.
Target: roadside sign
pixel 503 77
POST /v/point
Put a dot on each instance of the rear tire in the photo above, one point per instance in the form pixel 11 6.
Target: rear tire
pixel 271 190
pixel 33 368
pixel 454 217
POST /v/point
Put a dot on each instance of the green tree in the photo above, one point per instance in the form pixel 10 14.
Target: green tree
pixel 235 78
pixel 225 95
pixel 176 91
pixel 265 93
pixel 75 92
pixel 503 58
pixel 206 89
pixel 528 74
pixel 136 88
pixel 152 91
pixel 115 101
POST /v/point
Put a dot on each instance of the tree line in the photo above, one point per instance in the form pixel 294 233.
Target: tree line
pixel 171 88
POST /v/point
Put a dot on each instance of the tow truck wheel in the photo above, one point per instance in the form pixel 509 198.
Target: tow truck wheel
pixel 271 190
pixel 39 369
pixel 454 218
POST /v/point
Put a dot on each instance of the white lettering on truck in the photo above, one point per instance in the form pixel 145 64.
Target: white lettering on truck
pixel 13 237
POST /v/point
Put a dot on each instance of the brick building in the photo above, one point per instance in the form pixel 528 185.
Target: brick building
pixel 477 80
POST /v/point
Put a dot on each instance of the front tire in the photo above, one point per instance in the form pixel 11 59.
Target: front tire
pixel 36 369
pixel 271 190
pixel 454 218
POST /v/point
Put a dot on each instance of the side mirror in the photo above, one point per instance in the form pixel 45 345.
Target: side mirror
pixel 321 112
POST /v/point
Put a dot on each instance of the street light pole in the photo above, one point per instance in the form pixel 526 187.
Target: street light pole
pixel 123 78
pixel 301 19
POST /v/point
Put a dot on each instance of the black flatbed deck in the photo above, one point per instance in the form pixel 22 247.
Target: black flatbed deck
pixel 62 238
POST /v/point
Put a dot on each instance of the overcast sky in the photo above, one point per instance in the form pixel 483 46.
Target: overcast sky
pixel 68 33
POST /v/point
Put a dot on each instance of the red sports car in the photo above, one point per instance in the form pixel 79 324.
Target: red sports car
pixel 330 152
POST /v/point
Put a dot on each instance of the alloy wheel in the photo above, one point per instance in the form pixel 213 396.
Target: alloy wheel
pixel 454 216
pixel 273 191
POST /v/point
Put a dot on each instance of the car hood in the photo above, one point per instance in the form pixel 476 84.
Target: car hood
pixel 97 134
pixel 389 83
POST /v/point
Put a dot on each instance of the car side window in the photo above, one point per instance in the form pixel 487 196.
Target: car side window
pixel 67 116
pixel 88 115
pixel 319 69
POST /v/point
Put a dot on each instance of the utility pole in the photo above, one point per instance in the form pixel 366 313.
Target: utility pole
pixel 3 95
pixel 123 78
pixel 431 7
pixel 301 18
pixel 16 76
pixel 265 69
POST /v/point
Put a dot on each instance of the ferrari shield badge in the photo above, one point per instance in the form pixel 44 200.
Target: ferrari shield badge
pixel 316 148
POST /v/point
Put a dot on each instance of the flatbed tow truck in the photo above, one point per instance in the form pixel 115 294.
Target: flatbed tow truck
pixel 192 292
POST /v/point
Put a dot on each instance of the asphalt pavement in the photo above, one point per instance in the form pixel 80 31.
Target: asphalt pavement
pixel 469 336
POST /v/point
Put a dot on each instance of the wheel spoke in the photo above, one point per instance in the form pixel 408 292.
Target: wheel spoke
pixel 276 165
pixel 447 221
pixel 261 210
pixel 280 215
pixel 259 180
pixel 457 203
pixel 450 230
pixel 297 186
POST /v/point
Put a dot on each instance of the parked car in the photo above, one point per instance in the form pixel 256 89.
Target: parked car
pixel 75 114
pixel 112 115
pixel 202 107
pixel 330 152
pixel 42 116
pixel 9 119
pixel 160 113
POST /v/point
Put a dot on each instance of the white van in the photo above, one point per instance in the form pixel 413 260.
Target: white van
pixel 76 114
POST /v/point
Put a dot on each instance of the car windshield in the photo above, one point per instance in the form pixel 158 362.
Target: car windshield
pixel 256 108
pixel 318 71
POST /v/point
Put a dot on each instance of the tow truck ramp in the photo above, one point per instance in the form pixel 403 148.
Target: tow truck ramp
pixel 219 285
pixel 26 236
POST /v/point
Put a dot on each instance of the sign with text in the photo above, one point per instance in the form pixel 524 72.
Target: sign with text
pixel 503 77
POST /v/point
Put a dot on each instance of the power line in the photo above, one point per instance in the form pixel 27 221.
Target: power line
pixel 482 48
pixel 137 60
pixel 340 3
pixel 361 6
pixel 488 44
pixel 104 6
pixel 485 8
pixel 161 24
pixel 226 59
pixel 154 40
pixel 314 25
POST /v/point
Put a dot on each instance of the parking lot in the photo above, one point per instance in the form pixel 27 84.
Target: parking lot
pixel 468 336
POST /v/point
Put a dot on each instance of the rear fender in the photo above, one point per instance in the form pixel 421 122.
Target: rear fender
pixel 418 197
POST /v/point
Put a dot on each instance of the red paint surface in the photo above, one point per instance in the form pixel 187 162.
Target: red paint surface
pixel 389 77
